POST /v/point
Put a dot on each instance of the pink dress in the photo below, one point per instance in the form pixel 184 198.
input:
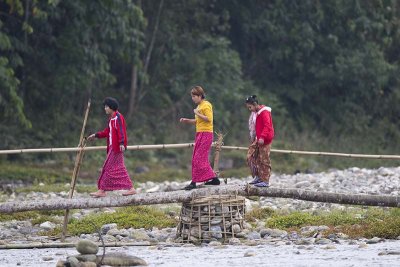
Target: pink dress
pixel 201 168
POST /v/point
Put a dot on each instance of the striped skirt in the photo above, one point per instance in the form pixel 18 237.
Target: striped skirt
pixel 259 161
pixel 114 175
pixel 201 168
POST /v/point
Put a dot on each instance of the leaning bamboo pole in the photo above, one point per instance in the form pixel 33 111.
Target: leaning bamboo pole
pixel 188 145
pixel 183 196
pixel 78 162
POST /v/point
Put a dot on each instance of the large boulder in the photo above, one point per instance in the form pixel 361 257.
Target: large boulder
pixel 87 247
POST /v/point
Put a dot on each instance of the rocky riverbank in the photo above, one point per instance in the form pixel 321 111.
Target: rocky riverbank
pixel 251 240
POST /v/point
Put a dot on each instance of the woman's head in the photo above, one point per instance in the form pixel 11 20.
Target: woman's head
pixel 197 93
pixel 252 103
pixel 110 104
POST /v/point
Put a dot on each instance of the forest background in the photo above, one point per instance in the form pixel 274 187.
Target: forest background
pixel 329 70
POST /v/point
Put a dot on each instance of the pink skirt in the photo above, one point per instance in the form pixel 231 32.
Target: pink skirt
pixel 201 168
pixel 114 175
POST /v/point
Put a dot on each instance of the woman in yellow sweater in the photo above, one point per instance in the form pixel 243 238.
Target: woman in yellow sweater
pixel 201 168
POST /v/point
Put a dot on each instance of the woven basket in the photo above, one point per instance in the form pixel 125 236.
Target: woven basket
pixel 215 217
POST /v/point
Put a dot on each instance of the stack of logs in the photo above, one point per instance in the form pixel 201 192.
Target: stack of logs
pixel 210 218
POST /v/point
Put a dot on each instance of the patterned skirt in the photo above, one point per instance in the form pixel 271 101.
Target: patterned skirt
pixel 259 161
pixel 114 175
pixel 201 168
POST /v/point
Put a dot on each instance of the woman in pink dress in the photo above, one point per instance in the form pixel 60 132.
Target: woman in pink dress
pixel 114 175
pixel 201 168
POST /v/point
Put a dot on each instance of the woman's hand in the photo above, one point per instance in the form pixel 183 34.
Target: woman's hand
pixel 260 141
pixel 121 148
pixel 91 137
pixel 183 120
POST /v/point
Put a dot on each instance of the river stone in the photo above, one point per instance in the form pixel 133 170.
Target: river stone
pixel 254 236
pixel 139 235
pixel 120 259
pixel 61 263
pixel 216 231
pixel 87 247
pixel 107 227
pixel 88 264
pixel 47 258
pixel 322 241
pixel 47 225
pixel 273 232
pixel 214 244
pixel 249 254
pixel 234 241
pixel 236 228
pixel 374 240
pixel 73 262
pixel 87 257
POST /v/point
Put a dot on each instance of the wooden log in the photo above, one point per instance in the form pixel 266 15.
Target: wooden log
pixel 183 196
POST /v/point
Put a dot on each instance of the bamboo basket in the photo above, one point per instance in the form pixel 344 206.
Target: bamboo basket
pixel 215 217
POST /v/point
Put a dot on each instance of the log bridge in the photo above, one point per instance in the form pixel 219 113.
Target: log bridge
pixel 183 196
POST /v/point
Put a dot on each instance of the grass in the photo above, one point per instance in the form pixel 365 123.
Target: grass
pixel 370 222
pixel 35 217
pixel 127 217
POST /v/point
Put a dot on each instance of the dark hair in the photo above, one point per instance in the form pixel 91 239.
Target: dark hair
pixel 198 90
pixel 111 102
pixel 252 100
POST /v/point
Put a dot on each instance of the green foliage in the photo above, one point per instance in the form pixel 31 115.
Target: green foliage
pixel 328 70
pixel 127 217
pixel 36 217
pixel 32 174
pixel 367 223
pixel 259 214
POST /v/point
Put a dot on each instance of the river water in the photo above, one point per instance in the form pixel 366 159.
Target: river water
pixel 261 255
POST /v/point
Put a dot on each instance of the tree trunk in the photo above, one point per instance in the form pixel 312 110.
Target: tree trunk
pixel 149 52
pixel 184 196
pixel 133 92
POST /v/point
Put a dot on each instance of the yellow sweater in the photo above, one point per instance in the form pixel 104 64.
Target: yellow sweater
pixel 204 108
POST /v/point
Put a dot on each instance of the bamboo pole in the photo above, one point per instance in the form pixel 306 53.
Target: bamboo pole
pixel 184 196
pixel 217 147
pixel 189 145
pixel 78 161
pixel 70 245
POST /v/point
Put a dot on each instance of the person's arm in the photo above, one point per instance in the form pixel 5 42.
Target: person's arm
pixel 265 133
pixel 207 116
pixel 120 124
pixel 101 134
pixel 186 120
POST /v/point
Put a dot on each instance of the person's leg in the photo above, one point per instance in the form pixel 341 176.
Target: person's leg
pixel 100 190
pixel 252 154
pixel 264 165
pixel 201 168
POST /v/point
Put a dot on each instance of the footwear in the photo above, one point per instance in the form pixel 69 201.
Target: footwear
pixel 130 192
pixel 98 194
pixel 256 180
pixel 213 181
pixel 262 184
pixel 190 186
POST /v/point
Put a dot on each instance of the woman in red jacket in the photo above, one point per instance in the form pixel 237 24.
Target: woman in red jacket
pixel 114 175
pixel 258 154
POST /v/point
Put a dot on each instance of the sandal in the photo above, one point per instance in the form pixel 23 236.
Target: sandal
pixel 130 192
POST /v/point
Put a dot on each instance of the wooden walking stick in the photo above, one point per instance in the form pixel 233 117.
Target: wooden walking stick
pixel 78 161
pixel 218 145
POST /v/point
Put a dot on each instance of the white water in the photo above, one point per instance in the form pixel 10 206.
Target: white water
pixel 264 255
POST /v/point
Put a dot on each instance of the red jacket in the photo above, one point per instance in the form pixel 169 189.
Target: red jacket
pixel 115 132
pixel 264 125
